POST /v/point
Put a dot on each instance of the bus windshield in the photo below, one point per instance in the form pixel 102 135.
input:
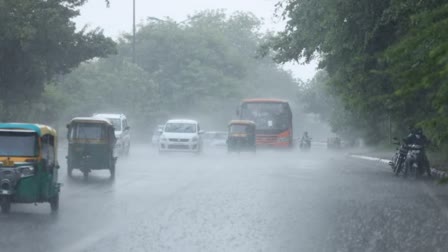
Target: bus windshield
pixel 18 144
pixel 267 116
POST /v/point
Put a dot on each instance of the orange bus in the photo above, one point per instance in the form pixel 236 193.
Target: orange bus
pixel 273 120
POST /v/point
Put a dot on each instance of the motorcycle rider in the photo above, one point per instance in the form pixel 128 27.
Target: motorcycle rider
pixel 417 137
pixel 306 139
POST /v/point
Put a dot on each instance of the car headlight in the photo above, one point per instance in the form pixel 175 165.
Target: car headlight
pixel 162 139
pixel 25 171
pixel 283 139
pixel 195 139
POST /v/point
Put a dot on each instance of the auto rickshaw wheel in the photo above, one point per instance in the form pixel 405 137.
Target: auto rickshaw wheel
pixel 5 203
pixel 54 203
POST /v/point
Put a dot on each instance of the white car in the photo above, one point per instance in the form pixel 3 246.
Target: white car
pixel 181 135
pixel 122 131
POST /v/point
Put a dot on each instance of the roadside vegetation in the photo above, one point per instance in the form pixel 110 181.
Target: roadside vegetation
pixel 201 67
pixel 384 64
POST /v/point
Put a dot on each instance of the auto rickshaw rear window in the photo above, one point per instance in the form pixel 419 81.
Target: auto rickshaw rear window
pixel 238 128
pixel 88 131
pixel 18 144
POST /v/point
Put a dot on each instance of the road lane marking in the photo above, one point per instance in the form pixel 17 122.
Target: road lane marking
pixel 385 161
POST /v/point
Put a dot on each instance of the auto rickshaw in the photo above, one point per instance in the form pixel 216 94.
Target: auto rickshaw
pixel 28 165
pixel 241 136
pixel 91 144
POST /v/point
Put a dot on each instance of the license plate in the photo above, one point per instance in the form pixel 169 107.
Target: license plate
pixel 5 192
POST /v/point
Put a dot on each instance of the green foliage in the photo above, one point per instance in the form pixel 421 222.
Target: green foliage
pixel 385 59
pixel 419 64
pixel 39 42
pixel 200 68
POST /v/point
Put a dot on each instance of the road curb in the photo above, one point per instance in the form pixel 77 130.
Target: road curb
pixel 434 172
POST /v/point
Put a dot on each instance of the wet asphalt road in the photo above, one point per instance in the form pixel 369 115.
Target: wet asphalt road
pixel 316 201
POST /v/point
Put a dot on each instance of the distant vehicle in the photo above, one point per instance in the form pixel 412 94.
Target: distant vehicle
pixel 122 131
pixel 414 161
pixel 305 144
pixel 156 135
pixel 91 144
pixel 398 160
pixel 273 120
pixel 181 135
pixel 241 136
pixel 215 138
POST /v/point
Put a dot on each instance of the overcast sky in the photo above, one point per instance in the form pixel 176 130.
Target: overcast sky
pixel 118 17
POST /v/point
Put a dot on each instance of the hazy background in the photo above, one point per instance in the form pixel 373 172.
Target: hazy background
pixel 117 19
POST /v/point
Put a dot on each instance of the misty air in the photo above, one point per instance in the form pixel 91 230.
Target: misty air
pixel 208 125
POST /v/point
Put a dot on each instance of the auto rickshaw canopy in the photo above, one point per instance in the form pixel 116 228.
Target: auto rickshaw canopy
pixel 91 120
pixel 40 129
pixel 241 122
pixel 106 136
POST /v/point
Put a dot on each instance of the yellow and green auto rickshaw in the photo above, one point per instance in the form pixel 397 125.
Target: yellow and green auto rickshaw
pixel 28 165
pixel 91 144
pixel 241 136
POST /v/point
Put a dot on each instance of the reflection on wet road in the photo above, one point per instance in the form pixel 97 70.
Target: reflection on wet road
pixel 286 201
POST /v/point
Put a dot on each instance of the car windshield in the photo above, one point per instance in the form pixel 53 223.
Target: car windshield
pixel 88 131
pixel 180 128
pixel 18 144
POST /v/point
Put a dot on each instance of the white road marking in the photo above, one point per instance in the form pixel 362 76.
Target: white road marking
pixel 385 161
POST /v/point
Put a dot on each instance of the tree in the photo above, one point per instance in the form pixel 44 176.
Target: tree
pixel 419 65
pixel 200 68
pixel 365 46
pixel 39 42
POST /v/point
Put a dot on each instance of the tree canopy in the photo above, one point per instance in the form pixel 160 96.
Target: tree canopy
pixel 39 42
pixel 385 59
pixel 199 68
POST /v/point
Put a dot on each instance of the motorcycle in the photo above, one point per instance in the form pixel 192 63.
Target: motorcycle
pixel 398 160
pixel 305 144
pixel 414 161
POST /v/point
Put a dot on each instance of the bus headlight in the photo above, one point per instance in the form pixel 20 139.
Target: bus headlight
pixel 26 171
